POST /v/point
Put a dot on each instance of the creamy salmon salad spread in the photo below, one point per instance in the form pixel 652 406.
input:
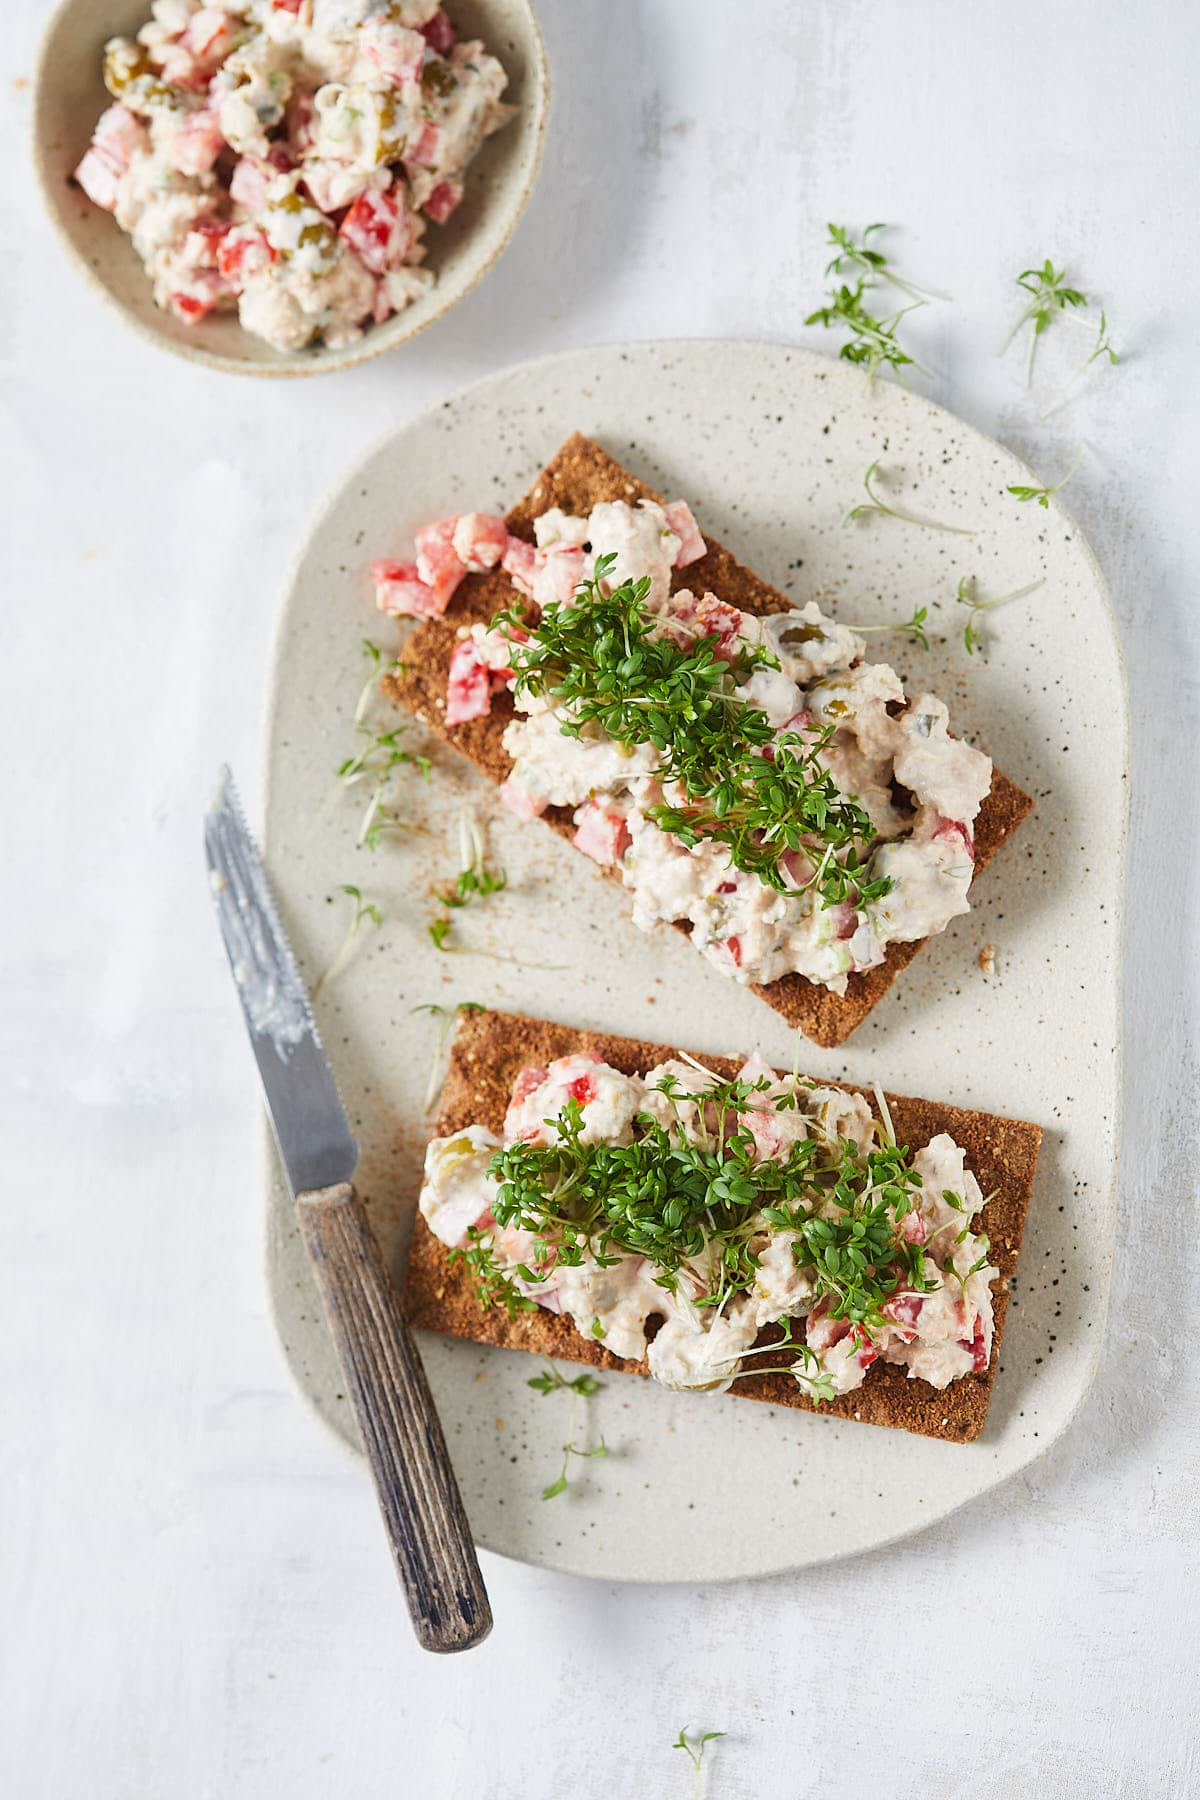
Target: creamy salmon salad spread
pixel 842 818
pixel 675 1217
pixel 284 157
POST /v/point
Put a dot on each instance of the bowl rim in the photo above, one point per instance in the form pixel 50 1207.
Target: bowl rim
pixel 290 363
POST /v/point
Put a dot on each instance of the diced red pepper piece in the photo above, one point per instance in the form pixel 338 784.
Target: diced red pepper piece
pixel 98 178
pixel 518 798
pixel 527 1082
pixel 443 200
pixel 439 33
pixel 379 231
pixel 210 35
pixel 912 1228
pixel 292 6
pixel 949 829
pixel 601 833
pixel 692 546
pixel 705 616
pixel 205 288
pixel 248 185
pixel 903 1309
pixel 396 52
pixel 399 590
pixel 244 251
pixel 480 540
pixel 468 686
pixel 438 563
pixel 977 1345
pixel 583 1089
pixel 426 148
pixel 521 561
pixel 198 143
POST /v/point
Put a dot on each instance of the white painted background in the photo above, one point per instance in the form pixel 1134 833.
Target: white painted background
pixel 195 1598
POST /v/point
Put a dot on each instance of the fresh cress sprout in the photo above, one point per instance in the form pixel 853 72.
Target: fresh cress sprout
pixel 362 909
pixel 849 255
pixel 1102 347
pixel 569 1450
pixel 582 1387
pixel 966 596
pixel 551 1381
pixel 448 1015
pixel 913 629
pixel 378 757
pixel 1043 495
pixel 765 797
pixel 875 503
pixel 1051 296
pixel 494 1286
pixel 872 342
pixel 473 881
pixel 379 668
pixel 696 1751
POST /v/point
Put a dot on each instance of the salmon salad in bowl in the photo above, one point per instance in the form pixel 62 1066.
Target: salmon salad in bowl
pixel 285 161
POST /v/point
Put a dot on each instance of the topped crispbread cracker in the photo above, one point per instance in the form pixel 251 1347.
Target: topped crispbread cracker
pixel 490 1049
pixel 578 477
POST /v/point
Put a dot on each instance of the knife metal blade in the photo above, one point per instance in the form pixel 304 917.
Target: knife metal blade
pixel 315 1142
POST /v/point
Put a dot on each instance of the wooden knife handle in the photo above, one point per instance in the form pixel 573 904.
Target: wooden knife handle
pixel 418 1494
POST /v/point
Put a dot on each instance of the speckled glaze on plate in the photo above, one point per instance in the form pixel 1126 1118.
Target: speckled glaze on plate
pixel 769 445
pixel 70 96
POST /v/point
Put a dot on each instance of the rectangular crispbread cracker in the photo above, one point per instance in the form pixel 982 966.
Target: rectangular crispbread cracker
pixel 581 475
pixel 489 1051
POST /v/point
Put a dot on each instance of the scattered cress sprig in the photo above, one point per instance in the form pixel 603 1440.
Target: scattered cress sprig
pixel 582 1387
pixel 967 596
pixel 1044 495
pixel 764 796
pixel 872 343
pixel 362 909
pixel 875 503
pixel 696 1750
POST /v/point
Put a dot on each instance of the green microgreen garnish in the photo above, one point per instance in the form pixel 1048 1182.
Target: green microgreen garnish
pixel 875 503
pixel 473 881
pixel 849 255
pixel 439 930
pixel 966 596
pixel 552 1382
pixel 696 1750
pixel 377 760
pixel 1051 296
pixel 379 668
pixel 913 629
pixel 362 909
pixel 448 1015
pixel 1102 347
pixel 703 1209
pixel 570 1450
pixel 582 1387
pixel 494 1285
pixel 763 795
pixel 872 343
pixel 1043 495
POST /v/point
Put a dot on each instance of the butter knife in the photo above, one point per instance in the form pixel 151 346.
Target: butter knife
pixel 402 1435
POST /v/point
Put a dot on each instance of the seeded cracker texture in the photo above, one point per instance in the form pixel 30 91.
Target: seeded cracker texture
pixel 578 477
pixel 489 1051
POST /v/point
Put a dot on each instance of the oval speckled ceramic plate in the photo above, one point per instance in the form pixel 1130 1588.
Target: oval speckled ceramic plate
pixel 769 445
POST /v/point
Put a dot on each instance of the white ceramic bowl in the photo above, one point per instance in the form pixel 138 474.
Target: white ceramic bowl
pixel 70 96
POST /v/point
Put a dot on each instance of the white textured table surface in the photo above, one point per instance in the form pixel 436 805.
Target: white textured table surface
pixel 195 1594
